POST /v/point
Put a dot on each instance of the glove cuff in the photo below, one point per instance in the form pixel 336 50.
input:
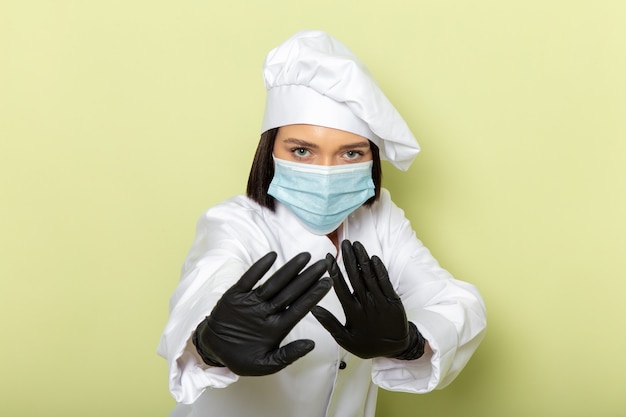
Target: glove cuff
pixel 417 345
pixel 202 349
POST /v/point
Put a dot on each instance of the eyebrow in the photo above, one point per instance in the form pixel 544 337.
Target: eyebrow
pixel 300 142
pixel 304 143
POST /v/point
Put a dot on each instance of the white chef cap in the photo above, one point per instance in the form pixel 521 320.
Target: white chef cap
pixel 314 79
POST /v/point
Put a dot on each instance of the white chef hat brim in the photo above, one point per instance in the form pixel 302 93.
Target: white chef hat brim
pixel 299 104
pixel 314 79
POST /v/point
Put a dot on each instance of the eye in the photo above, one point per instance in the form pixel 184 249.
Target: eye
pixel 353 154
pixel 301 152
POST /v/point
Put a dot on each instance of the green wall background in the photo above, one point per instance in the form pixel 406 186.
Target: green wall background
pixel 121 121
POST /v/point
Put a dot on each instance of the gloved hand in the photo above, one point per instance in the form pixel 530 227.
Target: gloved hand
pixel 376 323
pixel 246 326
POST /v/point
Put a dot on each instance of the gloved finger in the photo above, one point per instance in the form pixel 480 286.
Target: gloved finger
pixel 339 283
pixel 353 270
pixel 254 273
pixel 298 286
pixel 329 321
pixel 383 279
pixel 283 276
pixel 288 354
pixel 301 307
pixel 369 278
pixel 273 361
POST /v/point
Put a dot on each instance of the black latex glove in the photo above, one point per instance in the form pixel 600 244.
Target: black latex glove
pixel 246 326
pixel 376 323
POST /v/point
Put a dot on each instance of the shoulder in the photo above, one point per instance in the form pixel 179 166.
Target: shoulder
pixel 230 228
pixel 238 207
pixel 385 196
pixel 384 205
pixel 239 212
pixel 387 216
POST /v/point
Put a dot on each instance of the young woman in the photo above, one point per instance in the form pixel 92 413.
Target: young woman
pixel 254 329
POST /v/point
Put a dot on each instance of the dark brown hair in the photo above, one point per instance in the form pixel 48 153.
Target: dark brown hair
pixel 262 171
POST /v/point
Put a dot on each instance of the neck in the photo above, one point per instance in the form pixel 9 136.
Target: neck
pixel 334 237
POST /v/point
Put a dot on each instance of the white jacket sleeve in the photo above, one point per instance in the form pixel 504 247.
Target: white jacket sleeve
pixel 449 313
pixel 215 262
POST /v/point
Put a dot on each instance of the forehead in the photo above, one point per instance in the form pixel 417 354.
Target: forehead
pixel 319 135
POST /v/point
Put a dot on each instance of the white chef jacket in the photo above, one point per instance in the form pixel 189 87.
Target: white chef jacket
pixel 328 381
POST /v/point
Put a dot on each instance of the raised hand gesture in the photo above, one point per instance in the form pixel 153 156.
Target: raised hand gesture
pixel 246 327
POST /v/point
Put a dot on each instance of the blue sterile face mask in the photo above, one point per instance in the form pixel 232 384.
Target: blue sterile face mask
pixel 321 196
